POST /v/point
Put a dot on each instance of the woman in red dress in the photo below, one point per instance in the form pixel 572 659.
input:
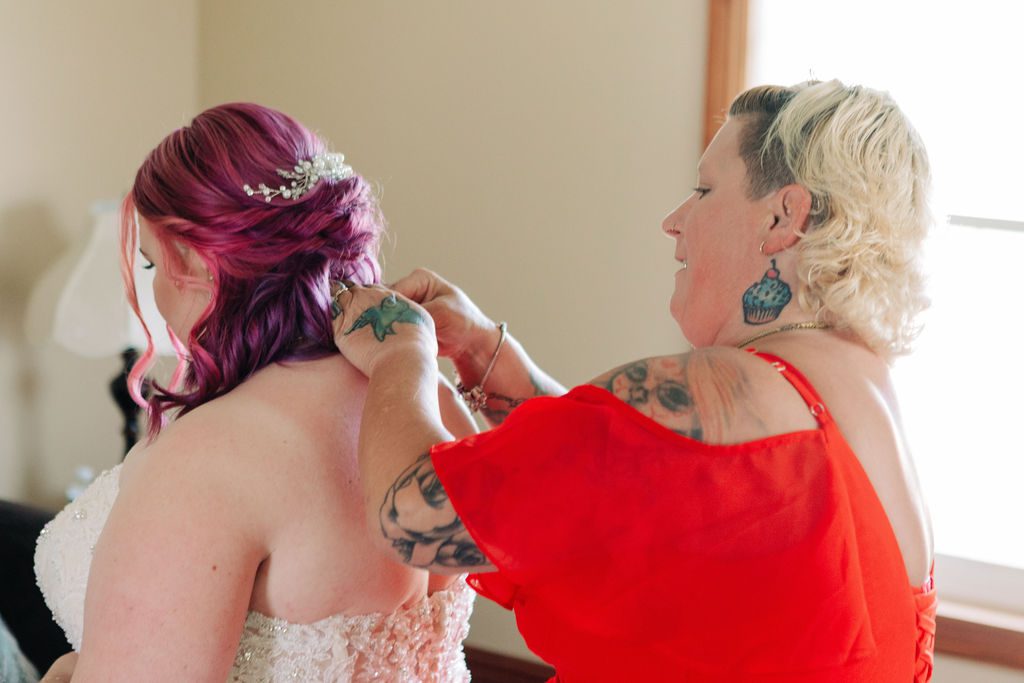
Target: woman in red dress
pixel 747 511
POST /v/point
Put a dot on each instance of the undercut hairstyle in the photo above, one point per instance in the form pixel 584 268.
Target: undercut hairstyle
pixel 867 172
pixel 270 263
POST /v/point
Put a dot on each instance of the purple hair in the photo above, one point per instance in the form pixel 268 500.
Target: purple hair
pixel 271 262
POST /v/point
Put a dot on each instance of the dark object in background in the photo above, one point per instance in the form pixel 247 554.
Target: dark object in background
pixel 21 603
pixel 123 398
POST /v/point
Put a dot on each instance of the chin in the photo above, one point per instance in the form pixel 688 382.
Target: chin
pixel 676 310
pixel 687 326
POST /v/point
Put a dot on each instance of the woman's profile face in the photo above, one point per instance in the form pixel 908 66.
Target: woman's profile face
pixel 178 298
pixel 716 235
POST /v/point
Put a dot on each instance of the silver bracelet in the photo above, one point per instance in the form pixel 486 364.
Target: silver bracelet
pixel 476 398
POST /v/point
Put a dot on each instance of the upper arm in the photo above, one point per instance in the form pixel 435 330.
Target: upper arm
pixel 699 394
pixel 459 421
pixel 422 526
pixel 171 578
pixel 454 414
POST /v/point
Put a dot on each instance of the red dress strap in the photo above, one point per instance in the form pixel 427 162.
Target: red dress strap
pixel 801 384
pixel 924 597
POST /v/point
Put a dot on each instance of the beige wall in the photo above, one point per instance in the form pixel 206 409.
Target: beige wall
pixel 525 150
pixel 88 89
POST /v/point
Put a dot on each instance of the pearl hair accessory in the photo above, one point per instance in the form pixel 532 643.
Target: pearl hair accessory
pixel 307 173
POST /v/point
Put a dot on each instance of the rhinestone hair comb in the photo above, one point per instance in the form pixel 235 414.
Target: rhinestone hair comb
pixel 306 174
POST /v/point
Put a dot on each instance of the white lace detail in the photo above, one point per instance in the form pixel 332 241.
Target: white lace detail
pixel 422 642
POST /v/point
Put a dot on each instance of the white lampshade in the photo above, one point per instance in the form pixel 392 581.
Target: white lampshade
pixel 92 316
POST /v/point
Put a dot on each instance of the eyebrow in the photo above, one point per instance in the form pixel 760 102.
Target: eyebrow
pixel 143 254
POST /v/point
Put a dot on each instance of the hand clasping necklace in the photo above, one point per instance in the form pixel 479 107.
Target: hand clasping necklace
pixel 810 325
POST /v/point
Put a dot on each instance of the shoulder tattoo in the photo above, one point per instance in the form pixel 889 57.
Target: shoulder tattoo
pixel 693 394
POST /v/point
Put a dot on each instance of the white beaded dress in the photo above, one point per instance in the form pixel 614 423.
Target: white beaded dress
pixel 422 642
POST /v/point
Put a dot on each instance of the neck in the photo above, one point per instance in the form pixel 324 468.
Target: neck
pixel 738 331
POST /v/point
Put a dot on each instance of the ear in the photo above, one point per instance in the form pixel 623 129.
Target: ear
pixel 790 207
pixel 194 264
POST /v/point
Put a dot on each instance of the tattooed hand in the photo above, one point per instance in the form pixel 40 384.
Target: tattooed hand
pixel 384 317
pixel 462 328
pixel 373 322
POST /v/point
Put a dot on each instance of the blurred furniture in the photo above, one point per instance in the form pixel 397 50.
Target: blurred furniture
pixel 21 604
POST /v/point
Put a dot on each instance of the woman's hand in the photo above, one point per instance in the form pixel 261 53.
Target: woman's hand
pixel 374 323
pixel 62 669
pixel 462 328
pixel 472 341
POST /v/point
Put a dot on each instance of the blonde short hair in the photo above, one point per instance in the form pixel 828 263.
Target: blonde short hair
pixel 867 172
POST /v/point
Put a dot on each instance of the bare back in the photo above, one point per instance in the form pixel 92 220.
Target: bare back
pixel 293 431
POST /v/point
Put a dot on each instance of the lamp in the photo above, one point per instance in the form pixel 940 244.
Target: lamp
pixel 92 317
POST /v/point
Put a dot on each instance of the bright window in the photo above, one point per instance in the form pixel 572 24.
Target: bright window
pixel 953 69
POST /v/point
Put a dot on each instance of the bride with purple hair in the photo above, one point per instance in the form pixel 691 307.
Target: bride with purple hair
pixel 232 543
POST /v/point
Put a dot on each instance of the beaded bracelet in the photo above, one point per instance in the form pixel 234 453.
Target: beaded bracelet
pixel 476 398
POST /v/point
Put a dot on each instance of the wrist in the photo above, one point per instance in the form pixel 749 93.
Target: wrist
pixel 475 395
pixel 405 358
pixel 473 358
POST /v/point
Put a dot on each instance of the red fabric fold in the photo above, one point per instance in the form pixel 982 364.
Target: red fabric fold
pixel 629 552
pixel 927 604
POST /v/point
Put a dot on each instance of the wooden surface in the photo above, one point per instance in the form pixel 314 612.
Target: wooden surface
pixel 959 637
pixel 491 667
pixel 973 639
pixel 727 61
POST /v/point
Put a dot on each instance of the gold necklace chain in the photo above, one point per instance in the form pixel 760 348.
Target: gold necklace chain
pixel 810 325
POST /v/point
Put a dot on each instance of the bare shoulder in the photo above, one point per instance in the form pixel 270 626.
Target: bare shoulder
pixel 272 438
pixel 676 390
pixel 178 555
pixel 211 460
pixel 714 394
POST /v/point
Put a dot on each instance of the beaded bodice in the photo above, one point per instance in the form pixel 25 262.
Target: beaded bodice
pixel 422 642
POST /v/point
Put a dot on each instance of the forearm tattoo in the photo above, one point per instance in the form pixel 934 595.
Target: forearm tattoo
pixel 383 318
pixel 499 406
pixel 419 520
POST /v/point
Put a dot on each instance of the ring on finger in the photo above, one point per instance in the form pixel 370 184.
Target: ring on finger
pixel 339 287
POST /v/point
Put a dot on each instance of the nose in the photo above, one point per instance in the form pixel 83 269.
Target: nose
pixel 672 225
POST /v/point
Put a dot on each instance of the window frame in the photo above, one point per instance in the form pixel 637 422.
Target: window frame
pixel 966 626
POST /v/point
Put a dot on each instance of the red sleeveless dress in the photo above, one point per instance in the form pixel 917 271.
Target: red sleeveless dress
pixel 631 553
